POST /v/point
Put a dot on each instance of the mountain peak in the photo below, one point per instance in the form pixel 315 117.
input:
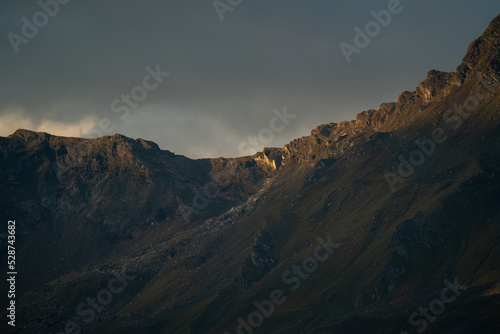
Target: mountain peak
pixel 483 55
pixel 24 134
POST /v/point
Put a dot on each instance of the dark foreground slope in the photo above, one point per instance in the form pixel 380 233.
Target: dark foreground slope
pixel 408 194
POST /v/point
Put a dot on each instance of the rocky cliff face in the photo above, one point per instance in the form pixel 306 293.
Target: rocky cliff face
pixel 408 192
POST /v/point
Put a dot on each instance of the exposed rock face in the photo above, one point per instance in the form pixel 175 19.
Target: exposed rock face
pixel 204 239
pixel 261 260
pixel 483 56
pixel 271 157
pixel 436 83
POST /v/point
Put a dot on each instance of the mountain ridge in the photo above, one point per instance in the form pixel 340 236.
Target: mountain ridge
pixel 122 208
pixel 485 64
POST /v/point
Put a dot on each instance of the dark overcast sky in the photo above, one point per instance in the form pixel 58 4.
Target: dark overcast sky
pixel 225 77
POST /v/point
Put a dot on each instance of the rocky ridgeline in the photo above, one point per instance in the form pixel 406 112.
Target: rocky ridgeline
pixel 482 62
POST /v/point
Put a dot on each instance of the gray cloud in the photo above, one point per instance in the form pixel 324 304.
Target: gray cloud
pixel 226 77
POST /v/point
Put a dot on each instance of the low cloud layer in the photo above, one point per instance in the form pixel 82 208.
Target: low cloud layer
pixel 17 119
